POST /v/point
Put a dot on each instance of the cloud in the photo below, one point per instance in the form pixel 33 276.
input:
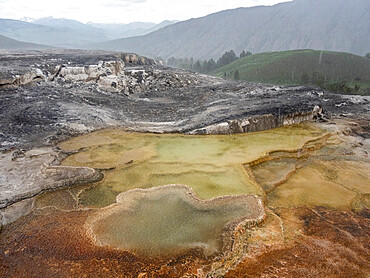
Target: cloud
pixel 123 11
pixel 122 3
pixel 131 1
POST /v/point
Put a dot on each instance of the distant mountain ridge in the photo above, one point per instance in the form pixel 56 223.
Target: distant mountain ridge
pixel 10 44
pixel 133 29
pixel 114 30
pixel 49 35
pixel 338 25
pixel 61 32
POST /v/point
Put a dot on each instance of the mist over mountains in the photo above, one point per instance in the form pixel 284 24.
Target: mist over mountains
pixel 59 36
pixel 339 25
pixel 67 33
pixel 7 43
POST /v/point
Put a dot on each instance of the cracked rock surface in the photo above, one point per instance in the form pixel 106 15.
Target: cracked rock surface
pixel 26 174
pixel 57 94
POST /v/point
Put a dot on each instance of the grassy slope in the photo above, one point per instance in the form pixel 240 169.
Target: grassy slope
pixel 302 67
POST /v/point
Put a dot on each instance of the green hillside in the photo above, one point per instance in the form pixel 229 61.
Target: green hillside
pixel 335 71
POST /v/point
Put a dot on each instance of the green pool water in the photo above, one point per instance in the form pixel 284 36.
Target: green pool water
pixel 211 165
pixel 133 210
pixel 170 220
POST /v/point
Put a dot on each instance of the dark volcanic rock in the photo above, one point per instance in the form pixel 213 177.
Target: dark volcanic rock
pixel 78 91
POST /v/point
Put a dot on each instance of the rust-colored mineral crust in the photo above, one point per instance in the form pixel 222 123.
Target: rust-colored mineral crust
pixel 334 244
pixel 55 245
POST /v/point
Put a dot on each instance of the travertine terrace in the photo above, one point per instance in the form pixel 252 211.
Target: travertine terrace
pixel 307 184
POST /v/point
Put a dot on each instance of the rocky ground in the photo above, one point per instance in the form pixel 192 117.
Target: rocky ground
pixel 47 97
pixel 38 172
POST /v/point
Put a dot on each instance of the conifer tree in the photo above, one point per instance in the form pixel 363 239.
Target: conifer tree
pixel 236 75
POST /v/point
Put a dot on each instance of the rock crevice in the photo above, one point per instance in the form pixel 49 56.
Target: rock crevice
pixel 260 123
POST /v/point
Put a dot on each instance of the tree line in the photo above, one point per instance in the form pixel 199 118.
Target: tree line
pixel 206 66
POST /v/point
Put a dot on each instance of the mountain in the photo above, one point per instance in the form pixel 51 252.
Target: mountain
pixel 62 23
pixel 131 29
pixel 339 25
pixel 50 35
pixel 10 44
pixel 125 30
pixel 162 25
pixel 331 70
pixel 69 33
pixel 27 19
pixel 111 30
pixel 120 30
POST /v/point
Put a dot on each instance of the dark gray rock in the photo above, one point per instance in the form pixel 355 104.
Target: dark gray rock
pixel 143 97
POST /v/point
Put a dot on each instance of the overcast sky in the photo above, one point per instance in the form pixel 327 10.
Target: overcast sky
pixel 123 11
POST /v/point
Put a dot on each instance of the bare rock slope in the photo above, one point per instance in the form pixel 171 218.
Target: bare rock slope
pixel 48 96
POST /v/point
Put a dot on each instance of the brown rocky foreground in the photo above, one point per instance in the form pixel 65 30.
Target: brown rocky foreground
pixel 56 243
pixel 333 244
